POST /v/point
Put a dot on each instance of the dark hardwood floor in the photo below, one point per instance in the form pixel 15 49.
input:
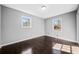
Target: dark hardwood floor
pixel 39 45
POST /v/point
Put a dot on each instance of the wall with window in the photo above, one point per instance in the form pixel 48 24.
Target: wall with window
pixel 11 26
pixel 11 31
pixel 68 31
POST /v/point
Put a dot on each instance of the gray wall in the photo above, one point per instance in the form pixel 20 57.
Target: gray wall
pixel 78 24
pixel 12 31
pixel 11 26
pixel 68 27
pixel 0 25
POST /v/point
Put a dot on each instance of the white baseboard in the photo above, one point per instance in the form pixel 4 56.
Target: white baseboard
pixel 63 39
pixel 0 47
pixel 21 40
pixel 32 38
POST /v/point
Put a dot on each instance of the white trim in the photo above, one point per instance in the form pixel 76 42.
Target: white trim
pixel 63 39
pixel 0 46
pixel 33 37
pixel 20 10
pixel 22 40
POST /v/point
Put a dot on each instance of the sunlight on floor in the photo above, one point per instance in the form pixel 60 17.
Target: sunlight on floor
pixel 57 48
pixel 66 48
pixel 75 50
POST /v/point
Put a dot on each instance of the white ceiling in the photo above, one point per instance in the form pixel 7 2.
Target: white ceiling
pixel 51 10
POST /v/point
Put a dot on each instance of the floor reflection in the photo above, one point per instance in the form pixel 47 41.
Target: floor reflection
pixel 43 45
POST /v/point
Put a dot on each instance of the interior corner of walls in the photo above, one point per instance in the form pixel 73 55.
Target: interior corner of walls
pixel 13 21
pixel 77 21
pixel 68 21
pixel 0 26
pixel 44 26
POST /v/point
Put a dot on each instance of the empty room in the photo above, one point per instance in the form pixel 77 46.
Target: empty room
pixel 39 29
